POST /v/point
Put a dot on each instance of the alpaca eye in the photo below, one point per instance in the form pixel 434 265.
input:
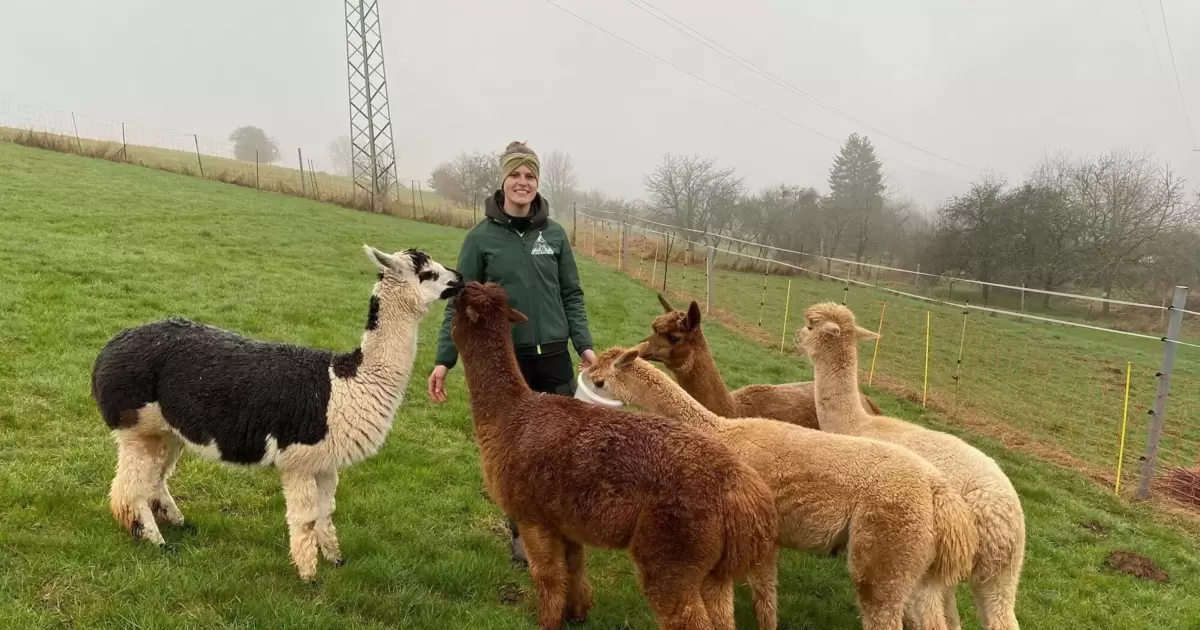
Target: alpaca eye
pixel 674 339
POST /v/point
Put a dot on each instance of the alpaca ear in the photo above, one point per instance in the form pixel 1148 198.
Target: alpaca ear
pixel 516 317
pixel 864 334
pixel 693 316
pixel 385 262
pixel 831 329
pixel 642 348
pixel 626 358
pixel 472 314
pixel 665 304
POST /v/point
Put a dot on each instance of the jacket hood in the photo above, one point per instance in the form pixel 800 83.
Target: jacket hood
pixel 493 208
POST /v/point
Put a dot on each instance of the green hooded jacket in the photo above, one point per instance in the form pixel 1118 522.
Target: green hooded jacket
pixel 531 258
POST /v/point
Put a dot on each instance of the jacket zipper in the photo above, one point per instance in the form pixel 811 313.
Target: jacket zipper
pixel 528 261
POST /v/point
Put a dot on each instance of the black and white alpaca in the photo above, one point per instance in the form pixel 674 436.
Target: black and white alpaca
pixel 308 412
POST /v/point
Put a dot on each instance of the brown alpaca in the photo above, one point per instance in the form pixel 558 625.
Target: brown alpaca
pixel 694 519
pixel 904 528
pixel 678 343
pixel 829 339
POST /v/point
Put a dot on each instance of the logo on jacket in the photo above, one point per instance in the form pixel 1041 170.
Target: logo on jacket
pixel 541 247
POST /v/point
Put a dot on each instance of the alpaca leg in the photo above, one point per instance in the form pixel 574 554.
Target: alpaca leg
pixel 763 580
pixel 677 606
pixel 327 482
pixel 718 600
pixel 950 608
pixel 548 569
pixel 927 608
pixel 516 548
pixel 300 494
pixel 140 461
pixel 579 590
pixel 995 600
pixel 163 504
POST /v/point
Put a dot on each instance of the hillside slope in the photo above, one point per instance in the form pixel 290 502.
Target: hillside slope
pixel 92 246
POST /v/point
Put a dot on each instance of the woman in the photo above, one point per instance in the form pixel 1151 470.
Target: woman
pixel 518 246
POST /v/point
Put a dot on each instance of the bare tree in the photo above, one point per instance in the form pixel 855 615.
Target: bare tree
pixel 559 181
pixel 693 193
pixel 341 154
pixel 1127 201
pixel 468 179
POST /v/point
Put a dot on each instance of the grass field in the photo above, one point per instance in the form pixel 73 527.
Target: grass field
pixel 92 246
pixel 1053 389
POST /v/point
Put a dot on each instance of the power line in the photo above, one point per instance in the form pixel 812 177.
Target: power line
pixel 700 37
pixel 1175 70
pixel 726 91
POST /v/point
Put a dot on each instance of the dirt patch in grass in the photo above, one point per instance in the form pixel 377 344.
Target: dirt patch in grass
pixel 511 594
pixel 1137 565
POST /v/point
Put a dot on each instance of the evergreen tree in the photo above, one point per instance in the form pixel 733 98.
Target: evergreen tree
pixel 856 197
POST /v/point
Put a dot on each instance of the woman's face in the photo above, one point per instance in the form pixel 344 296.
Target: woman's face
pixel 521 186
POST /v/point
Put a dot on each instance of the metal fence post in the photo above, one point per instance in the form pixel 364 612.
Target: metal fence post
pixel 624 241
pixel 1158 414
pixel 708 273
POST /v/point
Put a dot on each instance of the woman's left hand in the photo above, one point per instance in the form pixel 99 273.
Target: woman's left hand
pixel 587 359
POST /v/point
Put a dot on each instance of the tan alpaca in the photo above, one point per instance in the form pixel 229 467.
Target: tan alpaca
pixel 678 343
pixel 829 339
pixel 902 524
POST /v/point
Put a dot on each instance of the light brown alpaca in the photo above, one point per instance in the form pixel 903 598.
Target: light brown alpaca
pixel 829 339
pixel 694 518
pixel 901 523
pixel 678 343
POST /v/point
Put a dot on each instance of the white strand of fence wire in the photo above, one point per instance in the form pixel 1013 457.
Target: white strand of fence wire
pixel 1074 296
pixel 953 304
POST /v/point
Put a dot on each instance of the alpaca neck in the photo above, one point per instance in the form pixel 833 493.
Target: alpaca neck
pixel 656 392
pixel 703 380
pixel 494 380
pixel 390 346
pixel 835 386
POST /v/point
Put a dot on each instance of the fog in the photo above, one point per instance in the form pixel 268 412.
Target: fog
pixel 986 85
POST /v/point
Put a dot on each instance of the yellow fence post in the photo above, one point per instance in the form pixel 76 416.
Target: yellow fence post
pixel 925 387
pixel 875 355
pixel 1124 422
pixel 787 304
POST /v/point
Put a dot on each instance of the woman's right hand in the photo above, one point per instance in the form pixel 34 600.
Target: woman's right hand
pixel 437 384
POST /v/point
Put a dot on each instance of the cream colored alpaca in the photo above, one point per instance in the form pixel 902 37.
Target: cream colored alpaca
pixel 901 523
pixel 678 343
pixel 307 412
pixel 829 339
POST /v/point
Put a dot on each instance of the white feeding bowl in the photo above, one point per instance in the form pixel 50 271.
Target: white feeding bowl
pixel 585 392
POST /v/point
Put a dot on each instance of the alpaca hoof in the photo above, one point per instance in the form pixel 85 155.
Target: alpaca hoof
pixel 136 530
pixel 340 562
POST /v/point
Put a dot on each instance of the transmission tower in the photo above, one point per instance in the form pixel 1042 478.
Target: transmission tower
pixel 373 160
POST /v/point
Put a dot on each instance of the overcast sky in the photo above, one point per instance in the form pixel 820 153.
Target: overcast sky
pixel 986 84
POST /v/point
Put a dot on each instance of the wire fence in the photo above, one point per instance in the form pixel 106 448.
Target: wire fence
pixel 1070 383
pixel 298 171
pixel 1074 379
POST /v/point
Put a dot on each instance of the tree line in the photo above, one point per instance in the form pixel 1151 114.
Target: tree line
pixel 1120 223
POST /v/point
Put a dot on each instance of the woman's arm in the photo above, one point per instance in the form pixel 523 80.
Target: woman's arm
pixel 470 265
pixel 572 299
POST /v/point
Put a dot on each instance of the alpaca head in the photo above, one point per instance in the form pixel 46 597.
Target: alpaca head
pixel 615 373
pixel 412 274
pixel 676 334
pixel 483 309
pixel 830 332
